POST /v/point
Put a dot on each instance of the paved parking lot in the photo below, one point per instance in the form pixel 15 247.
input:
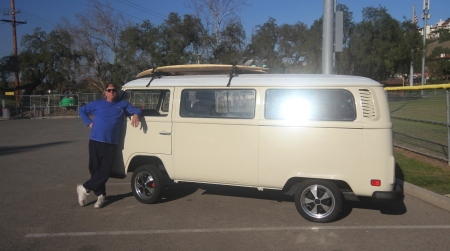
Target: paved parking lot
pixel 42 161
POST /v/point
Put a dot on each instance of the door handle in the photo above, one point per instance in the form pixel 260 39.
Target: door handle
pixel 164 133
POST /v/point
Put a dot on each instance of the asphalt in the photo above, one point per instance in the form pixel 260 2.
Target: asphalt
pixel 428 196
pixel 42 161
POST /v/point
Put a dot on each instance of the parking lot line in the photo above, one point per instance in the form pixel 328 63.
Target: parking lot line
pixel 253 229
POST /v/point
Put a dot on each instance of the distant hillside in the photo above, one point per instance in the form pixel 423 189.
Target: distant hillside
pixel 437 44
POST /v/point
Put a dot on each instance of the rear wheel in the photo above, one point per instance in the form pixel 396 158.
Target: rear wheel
pixel 318 200
pixel 147 184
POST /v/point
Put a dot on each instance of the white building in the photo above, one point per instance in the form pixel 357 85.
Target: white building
pixel 439 25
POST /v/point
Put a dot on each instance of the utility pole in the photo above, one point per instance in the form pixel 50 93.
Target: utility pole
pixel 425 16
pixel 411 72
pixel 332 35
pixel 13 23
pixel 327 36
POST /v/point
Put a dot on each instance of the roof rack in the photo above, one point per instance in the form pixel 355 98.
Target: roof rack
pixel 202 69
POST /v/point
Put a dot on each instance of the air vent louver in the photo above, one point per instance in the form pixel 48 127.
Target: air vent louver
pixel 367 104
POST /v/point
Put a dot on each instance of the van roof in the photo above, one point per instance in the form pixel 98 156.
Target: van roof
pixel 254 80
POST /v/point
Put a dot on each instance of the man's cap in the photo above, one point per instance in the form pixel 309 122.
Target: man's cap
pixel 110 85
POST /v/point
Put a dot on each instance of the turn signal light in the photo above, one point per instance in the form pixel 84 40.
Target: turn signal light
pixel 376 183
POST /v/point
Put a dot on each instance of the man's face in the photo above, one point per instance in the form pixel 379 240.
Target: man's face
pixel 111 93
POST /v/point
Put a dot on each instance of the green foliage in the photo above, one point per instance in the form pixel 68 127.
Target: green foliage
pixel 8 65
pixel 264 45
pixel 176 41
pixel 231 46
pixel 439 67
pixel 378 46
pixel 292 41
pixel 47 60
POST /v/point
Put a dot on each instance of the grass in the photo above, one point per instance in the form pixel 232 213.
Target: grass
pixel 423 174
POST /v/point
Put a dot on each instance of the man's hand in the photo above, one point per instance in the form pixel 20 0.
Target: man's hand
pixel 135 120
pixel 90 125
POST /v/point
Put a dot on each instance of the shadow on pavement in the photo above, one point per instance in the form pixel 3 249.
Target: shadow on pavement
pixel 19 149
pixel 175 191
pixel 393 208
pixel 111 199
pixel 182 189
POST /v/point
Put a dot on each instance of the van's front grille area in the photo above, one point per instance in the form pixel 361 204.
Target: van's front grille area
pixel 367 104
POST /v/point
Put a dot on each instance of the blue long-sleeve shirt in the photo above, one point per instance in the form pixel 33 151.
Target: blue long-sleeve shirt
pixel 108 117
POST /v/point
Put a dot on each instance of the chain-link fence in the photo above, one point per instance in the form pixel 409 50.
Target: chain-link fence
pixel 45 106
pixel 420 117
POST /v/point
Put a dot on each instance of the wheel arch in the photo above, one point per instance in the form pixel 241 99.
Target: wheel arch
pixel 291 185
pixel 140 160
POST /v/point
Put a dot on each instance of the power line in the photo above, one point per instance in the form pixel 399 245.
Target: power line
pixel 41 18
pixel 120 11
pixel 38 22
pixel 143 9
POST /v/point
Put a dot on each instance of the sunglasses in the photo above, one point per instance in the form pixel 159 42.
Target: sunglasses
pixel 111 90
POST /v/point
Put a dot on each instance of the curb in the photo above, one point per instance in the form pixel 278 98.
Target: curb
pixel 433 198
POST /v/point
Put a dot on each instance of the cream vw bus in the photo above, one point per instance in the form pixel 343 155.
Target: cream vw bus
pixel 321 138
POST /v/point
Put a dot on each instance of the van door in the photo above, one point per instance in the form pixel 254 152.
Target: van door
pixel 154 135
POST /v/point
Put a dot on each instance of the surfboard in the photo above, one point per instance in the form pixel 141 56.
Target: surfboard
pixel 194 69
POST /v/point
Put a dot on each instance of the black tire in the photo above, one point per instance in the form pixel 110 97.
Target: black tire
pixel 147 184
pixel 318 200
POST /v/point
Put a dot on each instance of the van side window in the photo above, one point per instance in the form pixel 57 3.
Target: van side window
pixel 218 103
pixel 150 102
pixel 310 104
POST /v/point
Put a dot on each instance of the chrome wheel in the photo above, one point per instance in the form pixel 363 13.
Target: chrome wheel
pixel 317 201
pixel 147 184
pixel 144 185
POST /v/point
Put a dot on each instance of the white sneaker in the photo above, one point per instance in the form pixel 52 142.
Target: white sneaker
pixel 100 202
pixel 82 193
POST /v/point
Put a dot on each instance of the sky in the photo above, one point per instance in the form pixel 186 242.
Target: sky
pixel 48 13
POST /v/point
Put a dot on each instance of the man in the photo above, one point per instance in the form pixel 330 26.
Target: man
pixel 108 116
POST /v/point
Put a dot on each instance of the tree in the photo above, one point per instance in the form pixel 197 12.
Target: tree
pixel 176 41
pixel 264 45
pixel 292 46
pixel 96 35
pixel 231 48
pixel 217 14
pixel 411 48
pixel 47 60
pixel 313 58
pixel 437 66
pixel 377 47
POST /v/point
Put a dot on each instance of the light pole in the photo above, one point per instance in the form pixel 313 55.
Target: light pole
pixel 327 37
pixel 425 16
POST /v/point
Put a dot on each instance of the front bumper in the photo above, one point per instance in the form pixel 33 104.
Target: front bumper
pixel 389 196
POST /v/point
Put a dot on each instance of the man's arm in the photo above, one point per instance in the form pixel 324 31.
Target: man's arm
pixel 84 114
pixel 136 114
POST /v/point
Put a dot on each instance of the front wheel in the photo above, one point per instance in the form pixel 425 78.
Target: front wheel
pixel 147 184
pixel 318 200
